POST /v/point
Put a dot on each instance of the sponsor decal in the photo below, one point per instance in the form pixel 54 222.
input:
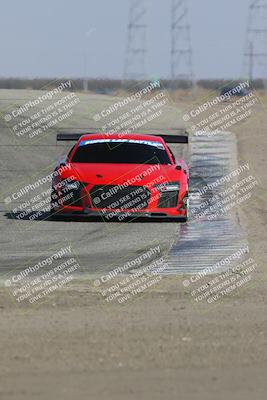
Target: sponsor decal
pixel 146 142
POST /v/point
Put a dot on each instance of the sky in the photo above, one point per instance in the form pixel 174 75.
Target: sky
pixel 49 38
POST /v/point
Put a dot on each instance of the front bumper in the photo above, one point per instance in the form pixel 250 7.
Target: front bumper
pixel 133 202
pixel 118 216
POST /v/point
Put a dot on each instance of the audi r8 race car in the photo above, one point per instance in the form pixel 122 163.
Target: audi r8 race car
pixel 121 176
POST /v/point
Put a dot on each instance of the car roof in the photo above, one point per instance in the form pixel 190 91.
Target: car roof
pixel 123 136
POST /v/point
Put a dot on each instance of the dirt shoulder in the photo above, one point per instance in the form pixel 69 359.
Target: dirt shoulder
pixel 155 347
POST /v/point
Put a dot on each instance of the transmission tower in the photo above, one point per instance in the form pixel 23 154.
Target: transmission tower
pixel 136 52
pixel 255 56
pixel 181 49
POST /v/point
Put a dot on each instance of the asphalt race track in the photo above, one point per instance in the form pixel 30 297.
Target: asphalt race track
pixel 101 246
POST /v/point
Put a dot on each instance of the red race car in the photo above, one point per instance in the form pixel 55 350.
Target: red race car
pixel 121 176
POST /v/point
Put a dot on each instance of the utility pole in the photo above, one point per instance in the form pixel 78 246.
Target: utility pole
pixel 85 79
pixel 136 51
pixel 255 55
pixel 181 47
pixel 86 58
pixel 251 61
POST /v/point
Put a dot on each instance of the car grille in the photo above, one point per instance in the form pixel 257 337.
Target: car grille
pixel 168 199
pixel 124 198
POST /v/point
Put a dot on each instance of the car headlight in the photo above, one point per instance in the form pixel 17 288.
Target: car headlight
pixel 168 187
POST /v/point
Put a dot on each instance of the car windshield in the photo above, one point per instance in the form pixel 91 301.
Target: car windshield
pixel 121 153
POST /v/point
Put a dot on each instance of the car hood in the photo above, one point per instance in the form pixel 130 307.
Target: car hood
pixel 134 174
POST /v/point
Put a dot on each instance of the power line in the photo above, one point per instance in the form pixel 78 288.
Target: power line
pixel 255 55
pixel 181 48
pixel 136 52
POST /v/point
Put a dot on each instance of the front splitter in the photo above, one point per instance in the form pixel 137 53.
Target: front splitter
pixel 120 216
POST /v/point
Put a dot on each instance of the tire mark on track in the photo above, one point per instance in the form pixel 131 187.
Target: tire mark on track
pixel 204 242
